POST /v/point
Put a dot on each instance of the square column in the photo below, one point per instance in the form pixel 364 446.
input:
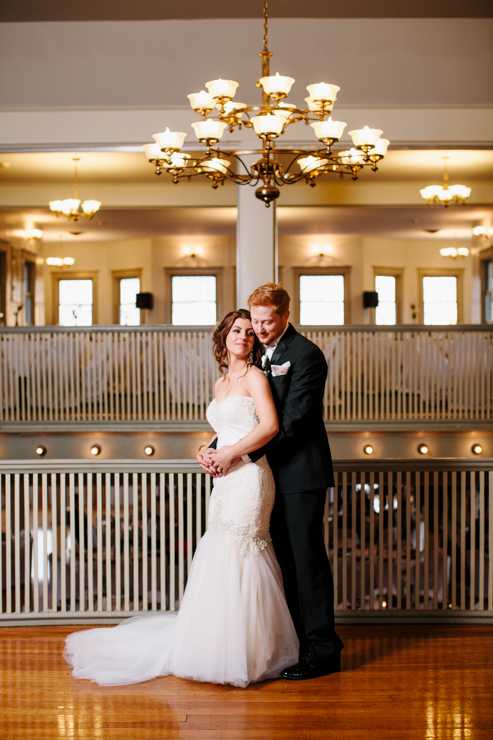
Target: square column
pixel 256 242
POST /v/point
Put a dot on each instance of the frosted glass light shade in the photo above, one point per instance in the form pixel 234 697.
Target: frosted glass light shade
pixel 35 234
pixel 69 205
pixel 91 206
pixel 351 157
pixel 432 191
pixel 178 161
pixel 315 106
pixel 208 129
pixel 201 100
pixel 462 251
pixel 309 164
pixel 216 165
pixel 153 151
pixel 284 110
pixel 170 139
pixel 445 196
pixel 460 191
pixel 54 261
pixel 231 106
pixel 268 124
pixel 380 147
pixel 328 129
pixel 222 88
pixel 56 206
pixel 448 252
pixel 69 261
pixel 276 84
pixel 365 136
pixel 322 91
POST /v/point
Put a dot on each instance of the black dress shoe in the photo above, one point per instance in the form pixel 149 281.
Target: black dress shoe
pixel 311 666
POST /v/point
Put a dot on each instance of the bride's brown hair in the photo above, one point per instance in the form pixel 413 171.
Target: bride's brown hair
pixel 219 339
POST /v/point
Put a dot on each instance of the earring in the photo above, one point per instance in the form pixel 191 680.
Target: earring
pixel 250 358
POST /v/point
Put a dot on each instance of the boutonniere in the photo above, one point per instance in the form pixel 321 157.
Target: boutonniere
pixel 266 368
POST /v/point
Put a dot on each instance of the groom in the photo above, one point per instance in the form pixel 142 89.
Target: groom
pixel 300 459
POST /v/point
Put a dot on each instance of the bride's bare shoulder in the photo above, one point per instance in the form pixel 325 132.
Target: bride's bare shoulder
pixel 256 376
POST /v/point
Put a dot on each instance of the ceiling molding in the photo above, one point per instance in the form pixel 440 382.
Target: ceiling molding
pixel 136 10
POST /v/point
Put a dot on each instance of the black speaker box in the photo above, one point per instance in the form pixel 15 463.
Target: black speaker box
pixel 145 300
pixel 370 299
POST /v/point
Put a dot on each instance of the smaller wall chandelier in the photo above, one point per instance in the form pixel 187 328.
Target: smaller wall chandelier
pixel 445 194
pixel 454 251
pixel 71 207
pixel 219 112
pixel 60 261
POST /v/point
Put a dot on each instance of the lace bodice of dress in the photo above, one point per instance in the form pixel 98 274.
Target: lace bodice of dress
pixel 232 418
pixel 242 500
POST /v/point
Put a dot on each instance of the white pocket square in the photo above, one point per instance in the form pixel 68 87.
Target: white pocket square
pixel 280 369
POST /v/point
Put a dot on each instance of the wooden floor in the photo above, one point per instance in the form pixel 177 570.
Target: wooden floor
pixel 397 682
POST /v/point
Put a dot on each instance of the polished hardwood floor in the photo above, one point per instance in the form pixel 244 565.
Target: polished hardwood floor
pixel 398 682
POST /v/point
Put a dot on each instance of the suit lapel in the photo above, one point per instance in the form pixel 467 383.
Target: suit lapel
pixel 283 345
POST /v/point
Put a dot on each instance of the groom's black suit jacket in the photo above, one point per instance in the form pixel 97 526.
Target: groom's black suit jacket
pixel 299 454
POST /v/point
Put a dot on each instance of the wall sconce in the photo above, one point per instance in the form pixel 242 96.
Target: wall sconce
pixel 34 234
pixel 95 450
pixel 476 449
pixel 482 232
pixel 149 450
pixel 41 451
pixel 423 449
pixel 192 251
pixel 321 251
pixel 368 450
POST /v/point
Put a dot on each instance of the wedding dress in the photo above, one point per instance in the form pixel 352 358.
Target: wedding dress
pixel 233 626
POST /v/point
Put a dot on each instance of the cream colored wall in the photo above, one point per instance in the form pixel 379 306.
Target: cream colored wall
pixel 152 257
pixel 361 254
pixel 413 255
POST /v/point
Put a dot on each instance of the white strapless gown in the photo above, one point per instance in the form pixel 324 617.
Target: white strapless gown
pixel 234 626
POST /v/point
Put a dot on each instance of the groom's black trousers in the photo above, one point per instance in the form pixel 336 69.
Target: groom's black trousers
pixel 297 536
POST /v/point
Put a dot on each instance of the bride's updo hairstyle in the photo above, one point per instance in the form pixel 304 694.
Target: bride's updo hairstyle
pixel 219 339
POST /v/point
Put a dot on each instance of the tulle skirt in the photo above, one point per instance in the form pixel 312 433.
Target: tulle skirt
pixel 233 627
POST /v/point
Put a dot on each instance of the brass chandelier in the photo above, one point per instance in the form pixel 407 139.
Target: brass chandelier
pixel 445 194
pixel 219 112
pixel 71 207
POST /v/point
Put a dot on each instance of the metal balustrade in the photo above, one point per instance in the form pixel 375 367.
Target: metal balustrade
pixel 98 541
pixel 162 374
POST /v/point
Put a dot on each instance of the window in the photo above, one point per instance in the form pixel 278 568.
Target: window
pixel 386 311
pixel 193 300
pixel 28 289
pixel 321 299
pixel 75 302
pixel 440 304
pixel 129 314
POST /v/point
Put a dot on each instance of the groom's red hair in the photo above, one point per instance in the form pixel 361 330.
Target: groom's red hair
pixel 271 294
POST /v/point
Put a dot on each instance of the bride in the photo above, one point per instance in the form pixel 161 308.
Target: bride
pixel 233 626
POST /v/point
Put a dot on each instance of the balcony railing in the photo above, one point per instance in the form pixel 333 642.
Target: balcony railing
pixel 161 374
pixel 96 541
